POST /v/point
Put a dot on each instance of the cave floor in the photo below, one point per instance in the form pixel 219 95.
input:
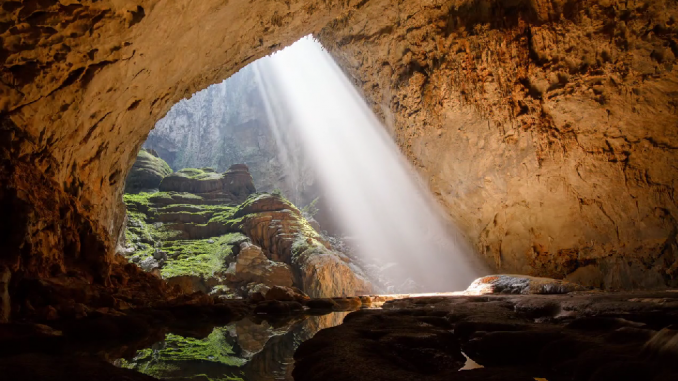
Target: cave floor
pixel 578 336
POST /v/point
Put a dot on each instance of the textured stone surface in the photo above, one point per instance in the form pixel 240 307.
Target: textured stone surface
pixel 233 250
pixel 546 128
pixel 280 229
pixel 236 182
pixel 146 173
pixel 596 336
pixel 253 266
pixel 517 284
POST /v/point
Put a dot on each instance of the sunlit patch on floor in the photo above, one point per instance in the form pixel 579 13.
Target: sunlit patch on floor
pixel 470 364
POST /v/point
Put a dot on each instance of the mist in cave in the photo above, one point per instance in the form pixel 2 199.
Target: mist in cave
pixel 375 194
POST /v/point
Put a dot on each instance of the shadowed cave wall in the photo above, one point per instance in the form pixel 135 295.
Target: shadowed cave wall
pixel 546 129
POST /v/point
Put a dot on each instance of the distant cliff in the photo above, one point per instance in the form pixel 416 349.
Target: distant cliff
pixel 227 124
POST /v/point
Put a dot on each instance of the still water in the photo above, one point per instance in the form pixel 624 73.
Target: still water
pixel 251 349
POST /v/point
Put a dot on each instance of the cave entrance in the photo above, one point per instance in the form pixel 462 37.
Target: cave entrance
pixel 305 135
pixel 279 176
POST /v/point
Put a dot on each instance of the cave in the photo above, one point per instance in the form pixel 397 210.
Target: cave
pixel 546 132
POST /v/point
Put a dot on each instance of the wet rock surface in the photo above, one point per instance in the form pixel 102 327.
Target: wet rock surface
pixel 577 336
pixel 521 284
pixel 189 338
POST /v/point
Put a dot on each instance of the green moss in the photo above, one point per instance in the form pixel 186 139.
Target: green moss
pixel 157 164
pixel 198 257
pixel 223 217
pixel 198 173
pixel 213 348
pixel 177 351
pixel 146 173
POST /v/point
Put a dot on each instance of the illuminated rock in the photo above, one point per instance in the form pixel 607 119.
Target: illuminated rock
pixel 520 284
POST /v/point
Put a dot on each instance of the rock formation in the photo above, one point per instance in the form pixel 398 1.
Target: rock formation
pixel 207 231
pixel 146 173
pixel 235 183
pixel 545 128
pixel 227 124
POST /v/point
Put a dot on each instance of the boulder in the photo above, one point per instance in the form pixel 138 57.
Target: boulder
pixel 147 172
pixel 521 284
pixel 286 294
pixel 279 228
pixel 149 264
pixel 253 266
pixel 323 273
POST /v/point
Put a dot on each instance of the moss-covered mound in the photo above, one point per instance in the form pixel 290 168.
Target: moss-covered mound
pixel 147 172
pixel 236 183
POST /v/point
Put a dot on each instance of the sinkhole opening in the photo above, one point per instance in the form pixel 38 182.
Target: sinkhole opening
pixel 299 127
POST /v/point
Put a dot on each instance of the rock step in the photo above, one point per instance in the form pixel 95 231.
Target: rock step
pixel 184 217
pixel 192 199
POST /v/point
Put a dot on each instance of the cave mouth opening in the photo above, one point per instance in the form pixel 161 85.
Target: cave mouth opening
pixel 306 134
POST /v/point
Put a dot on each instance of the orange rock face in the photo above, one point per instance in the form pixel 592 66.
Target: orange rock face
pixel 546 129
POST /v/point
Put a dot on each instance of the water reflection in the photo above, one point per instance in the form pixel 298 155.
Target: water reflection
pixel 251 349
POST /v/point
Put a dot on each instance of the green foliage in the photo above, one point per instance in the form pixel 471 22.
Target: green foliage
pixel 311 209
pixel 198 257
pixel 158 165
pixel 198 173
pixel 137 200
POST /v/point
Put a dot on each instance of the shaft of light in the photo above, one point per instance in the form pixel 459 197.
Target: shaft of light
pixel 372 188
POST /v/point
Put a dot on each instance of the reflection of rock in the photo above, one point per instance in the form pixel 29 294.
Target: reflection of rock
pixel 252 337
pixel 247 349
pixel 146 173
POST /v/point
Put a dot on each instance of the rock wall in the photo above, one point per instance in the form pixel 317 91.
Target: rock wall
pixel 82 84
pixel 220 126
pixel 547 129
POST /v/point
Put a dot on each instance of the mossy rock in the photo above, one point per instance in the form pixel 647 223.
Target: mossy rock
pixel 147 172
pixel 201 257
pixel 236 182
